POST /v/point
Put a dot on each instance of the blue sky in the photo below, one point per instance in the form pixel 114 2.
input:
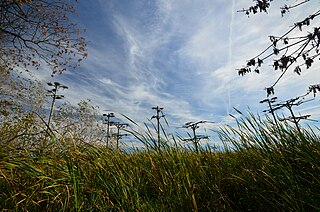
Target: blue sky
pixel 181 55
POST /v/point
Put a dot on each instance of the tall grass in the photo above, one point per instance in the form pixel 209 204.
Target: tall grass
pixel 266 167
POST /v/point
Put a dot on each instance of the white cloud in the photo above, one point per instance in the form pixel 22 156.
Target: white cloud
pixel 181 55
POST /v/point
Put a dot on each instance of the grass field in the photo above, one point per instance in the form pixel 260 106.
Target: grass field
pixel 269 168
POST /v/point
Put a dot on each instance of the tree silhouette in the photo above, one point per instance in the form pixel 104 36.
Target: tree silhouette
pixel 289 51
pixel 289 105
pixel 118 136
pixel 53 92
pixel 36 32
pixel 107 121
pixel 194 138
pixel 158 116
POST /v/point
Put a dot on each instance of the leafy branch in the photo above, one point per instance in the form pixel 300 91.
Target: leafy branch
pixel 264 5
pixel 36 32
pixel 300 51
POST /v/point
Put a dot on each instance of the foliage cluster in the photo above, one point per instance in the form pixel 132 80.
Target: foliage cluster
pixel 296 50
pixel 37 32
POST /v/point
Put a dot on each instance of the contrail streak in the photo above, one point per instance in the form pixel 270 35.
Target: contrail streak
pixel 230 52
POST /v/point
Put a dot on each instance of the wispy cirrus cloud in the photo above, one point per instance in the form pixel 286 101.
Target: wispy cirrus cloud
pixel 181 55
